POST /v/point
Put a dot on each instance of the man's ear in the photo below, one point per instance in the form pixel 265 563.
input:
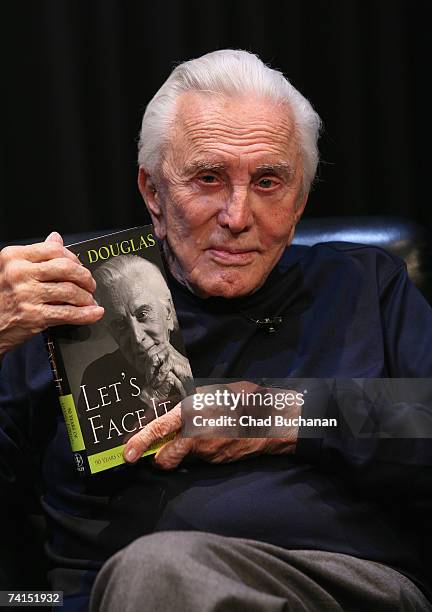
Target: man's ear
pixel 153 202
pixel 170 316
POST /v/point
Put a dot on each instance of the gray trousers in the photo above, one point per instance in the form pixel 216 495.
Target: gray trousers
pixel 188 571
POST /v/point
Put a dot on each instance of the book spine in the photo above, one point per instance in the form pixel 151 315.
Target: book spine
pixel 67 404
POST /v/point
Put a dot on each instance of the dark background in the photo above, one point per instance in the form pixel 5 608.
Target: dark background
pixel 76 76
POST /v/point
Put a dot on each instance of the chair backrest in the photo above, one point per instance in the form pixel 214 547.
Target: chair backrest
pixel 402 237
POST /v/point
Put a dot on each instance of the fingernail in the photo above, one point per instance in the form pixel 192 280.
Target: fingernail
pixel 131 454
pixel 54 235
pixel 96 307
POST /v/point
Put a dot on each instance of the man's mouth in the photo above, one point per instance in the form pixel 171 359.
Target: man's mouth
pixel 232 256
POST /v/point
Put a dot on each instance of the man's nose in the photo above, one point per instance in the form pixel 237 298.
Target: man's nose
pixel 137 331
pixel 236 214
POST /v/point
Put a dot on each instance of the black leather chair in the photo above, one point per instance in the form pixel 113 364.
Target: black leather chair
pixel 402 237
pixel 22 552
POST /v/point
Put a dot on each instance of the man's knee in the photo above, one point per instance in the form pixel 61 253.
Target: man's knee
pixel 155 554
pixel 163 549
pixel 153 567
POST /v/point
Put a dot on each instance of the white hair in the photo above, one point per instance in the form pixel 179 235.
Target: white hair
pixel 134 268
pixel 228 72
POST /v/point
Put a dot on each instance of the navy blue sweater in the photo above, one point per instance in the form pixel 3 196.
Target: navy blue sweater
pixel 348 312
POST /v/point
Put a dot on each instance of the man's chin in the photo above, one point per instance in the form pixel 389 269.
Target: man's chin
pixel 228 285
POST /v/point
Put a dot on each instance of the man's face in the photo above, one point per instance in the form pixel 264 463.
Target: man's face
pixel 138 321
pixel 229 192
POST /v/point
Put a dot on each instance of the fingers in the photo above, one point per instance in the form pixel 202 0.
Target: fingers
pixel 35 253
pixel 64 269
pixel 182 369
pixel 177 384
pixel 65 293
pixel 41 285
pixel 72 315
pixel 19 271
pixel 215 450
pixel 172 453
pixel 180 364
pixel 28 282
pixel 54 237
pixel 171 367
pixel 151 433
pixel 226 450
pixel 161 369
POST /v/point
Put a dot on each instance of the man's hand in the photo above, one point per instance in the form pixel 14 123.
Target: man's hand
pixel 169 370
pixel 215 450
pixel 42 285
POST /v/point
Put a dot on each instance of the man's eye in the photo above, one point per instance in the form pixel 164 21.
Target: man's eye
pixel 142 314
pixel 266 183
pixel 209 179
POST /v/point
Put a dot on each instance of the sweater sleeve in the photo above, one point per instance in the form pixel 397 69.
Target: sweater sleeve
pixel 407 326
pixel 27 408
pixel 27 403
pixel 382 445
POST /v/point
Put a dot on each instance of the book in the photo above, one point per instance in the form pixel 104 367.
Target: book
pixel 115 376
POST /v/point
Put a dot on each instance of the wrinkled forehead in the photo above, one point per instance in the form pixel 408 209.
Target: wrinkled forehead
pixel 124 294
pixel 210 124
pixel 134 289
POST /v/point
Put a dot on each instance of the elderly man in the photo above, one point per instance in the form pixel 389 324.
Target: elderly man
pixel 141 317
pixel 227 156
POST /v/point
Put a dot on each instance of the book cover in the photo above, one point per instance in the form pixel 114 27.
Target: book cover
pixel 117 375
